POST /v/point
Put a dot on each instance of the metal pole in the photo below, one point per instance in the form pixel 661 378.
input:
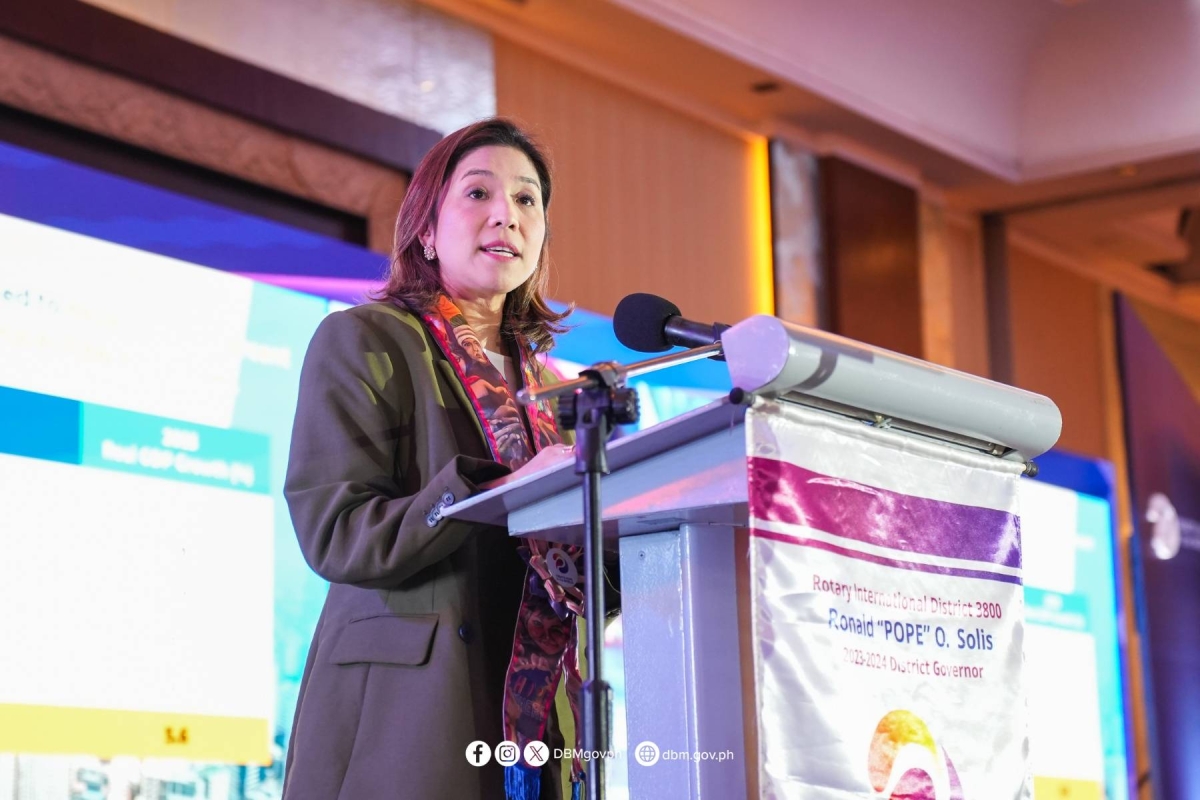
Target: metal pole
pixel 599 402
pixel 597 695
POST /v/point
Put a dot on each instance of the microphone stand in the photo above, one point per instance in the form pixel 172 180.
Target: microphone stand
pixel 590 405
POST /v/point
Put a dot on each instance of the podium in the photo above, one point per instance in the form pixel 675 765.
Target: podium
pixel 679 507
pixel 672 504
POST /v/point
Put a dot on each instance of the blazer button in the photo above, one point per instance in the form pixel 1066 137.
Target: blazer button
pixel 466 632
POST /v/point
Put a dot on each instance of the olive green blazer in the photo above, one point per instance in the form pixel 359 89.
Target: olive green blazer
pixel 407 663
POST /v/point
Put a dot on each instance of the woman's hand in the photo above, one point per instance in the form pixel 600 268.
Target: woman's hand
pixel 546 457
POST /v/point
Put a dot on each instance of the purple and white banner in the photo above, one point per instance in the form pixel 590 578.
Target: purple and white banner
pixel 888 613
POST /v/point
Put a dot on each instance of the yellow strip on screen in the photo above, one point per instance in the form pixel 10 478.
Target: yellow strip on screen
pixel 106 733
pixel 1066 789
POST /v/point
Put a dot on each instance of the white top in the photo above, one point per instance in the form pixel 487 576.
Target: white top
pixel 505 365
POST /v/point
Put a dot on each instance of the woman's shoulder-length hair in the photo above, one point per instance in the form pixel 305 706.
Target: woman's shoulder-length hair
pixel 415 283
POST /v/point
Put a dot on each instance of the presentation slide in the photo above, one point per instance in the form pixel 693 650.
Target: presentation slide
pixel 1072 655
pixel 155 611
pixel 146 404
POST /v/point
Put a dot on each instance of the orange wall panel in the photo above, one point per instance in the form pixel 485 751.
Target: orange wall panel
pixel 953 292
pixel 964 241
pixel 1056 330
pixel 645 198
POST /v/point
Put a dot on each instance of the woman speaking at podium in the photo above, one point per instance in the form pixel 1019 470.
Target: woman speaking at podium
pixel 436 633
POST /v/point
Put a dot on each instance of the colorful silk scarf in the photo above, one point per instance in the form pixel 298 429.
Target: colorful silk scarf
pixel 545 643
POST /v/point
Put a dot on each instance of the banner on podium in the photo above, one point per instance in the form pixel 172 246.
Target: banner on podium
pixel 888 613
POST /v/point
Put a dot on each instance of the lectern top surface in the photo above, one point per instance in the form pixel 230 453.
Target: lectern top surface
pixel 497 503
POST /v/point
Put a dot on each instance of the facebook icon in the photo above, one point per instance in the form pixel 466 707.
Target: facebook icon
pixel 478 753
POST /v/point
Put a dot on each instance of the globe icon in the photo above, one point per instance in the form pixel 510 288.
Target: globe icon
pixel 646 754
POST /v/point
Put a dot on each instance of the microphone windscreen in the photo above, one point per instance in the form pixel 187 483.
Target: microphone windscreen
pixel 640 321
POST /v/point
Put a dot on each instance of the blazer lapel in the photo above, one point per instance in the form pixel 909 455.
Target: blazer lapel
pixel 460 393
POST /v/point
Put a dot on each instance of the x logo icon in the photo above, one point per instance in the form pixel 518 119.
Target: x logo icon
pixel 536 754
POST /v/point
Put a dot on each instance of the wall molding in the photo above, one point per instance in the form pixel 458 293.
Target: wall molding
pixel 116 44
pixel 1111 273
pixel 119 108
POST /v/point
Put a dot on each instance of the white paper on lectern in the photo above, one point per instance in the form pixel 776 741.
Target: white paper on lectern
pixel 888 613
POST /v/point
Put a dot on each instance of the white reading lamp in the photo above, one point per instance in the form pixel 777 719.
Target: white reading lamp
pixel 770 357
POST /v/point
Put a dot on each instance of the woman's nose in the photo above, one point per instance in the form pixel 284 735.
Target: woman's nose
pixel 504 213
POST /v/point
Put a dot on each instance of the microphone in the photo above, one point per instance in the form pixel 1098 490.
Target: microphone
pixel 651 324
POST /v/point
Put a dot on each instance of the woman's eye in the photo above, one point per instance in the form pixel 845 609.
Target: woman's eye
pixel 477 194
pixel 527 200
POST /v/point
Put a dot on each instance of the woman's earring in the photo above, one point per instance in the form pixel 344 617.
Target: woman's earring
pixel 430 253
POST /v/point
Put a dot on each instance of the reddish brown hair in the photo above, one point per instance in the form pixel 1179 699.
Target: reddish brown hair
pixel 416 283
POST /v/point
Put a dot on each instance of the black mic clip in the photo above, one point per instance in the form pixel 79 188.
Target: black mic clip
pixel 605 391
pixel 686 333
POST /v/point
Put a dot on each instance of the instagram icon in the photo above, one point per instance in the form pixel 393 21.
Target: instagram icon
pixel 507 753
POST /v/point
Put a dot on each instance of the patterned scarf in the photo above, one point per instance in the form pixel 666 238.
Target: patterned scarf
pixel 545 644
